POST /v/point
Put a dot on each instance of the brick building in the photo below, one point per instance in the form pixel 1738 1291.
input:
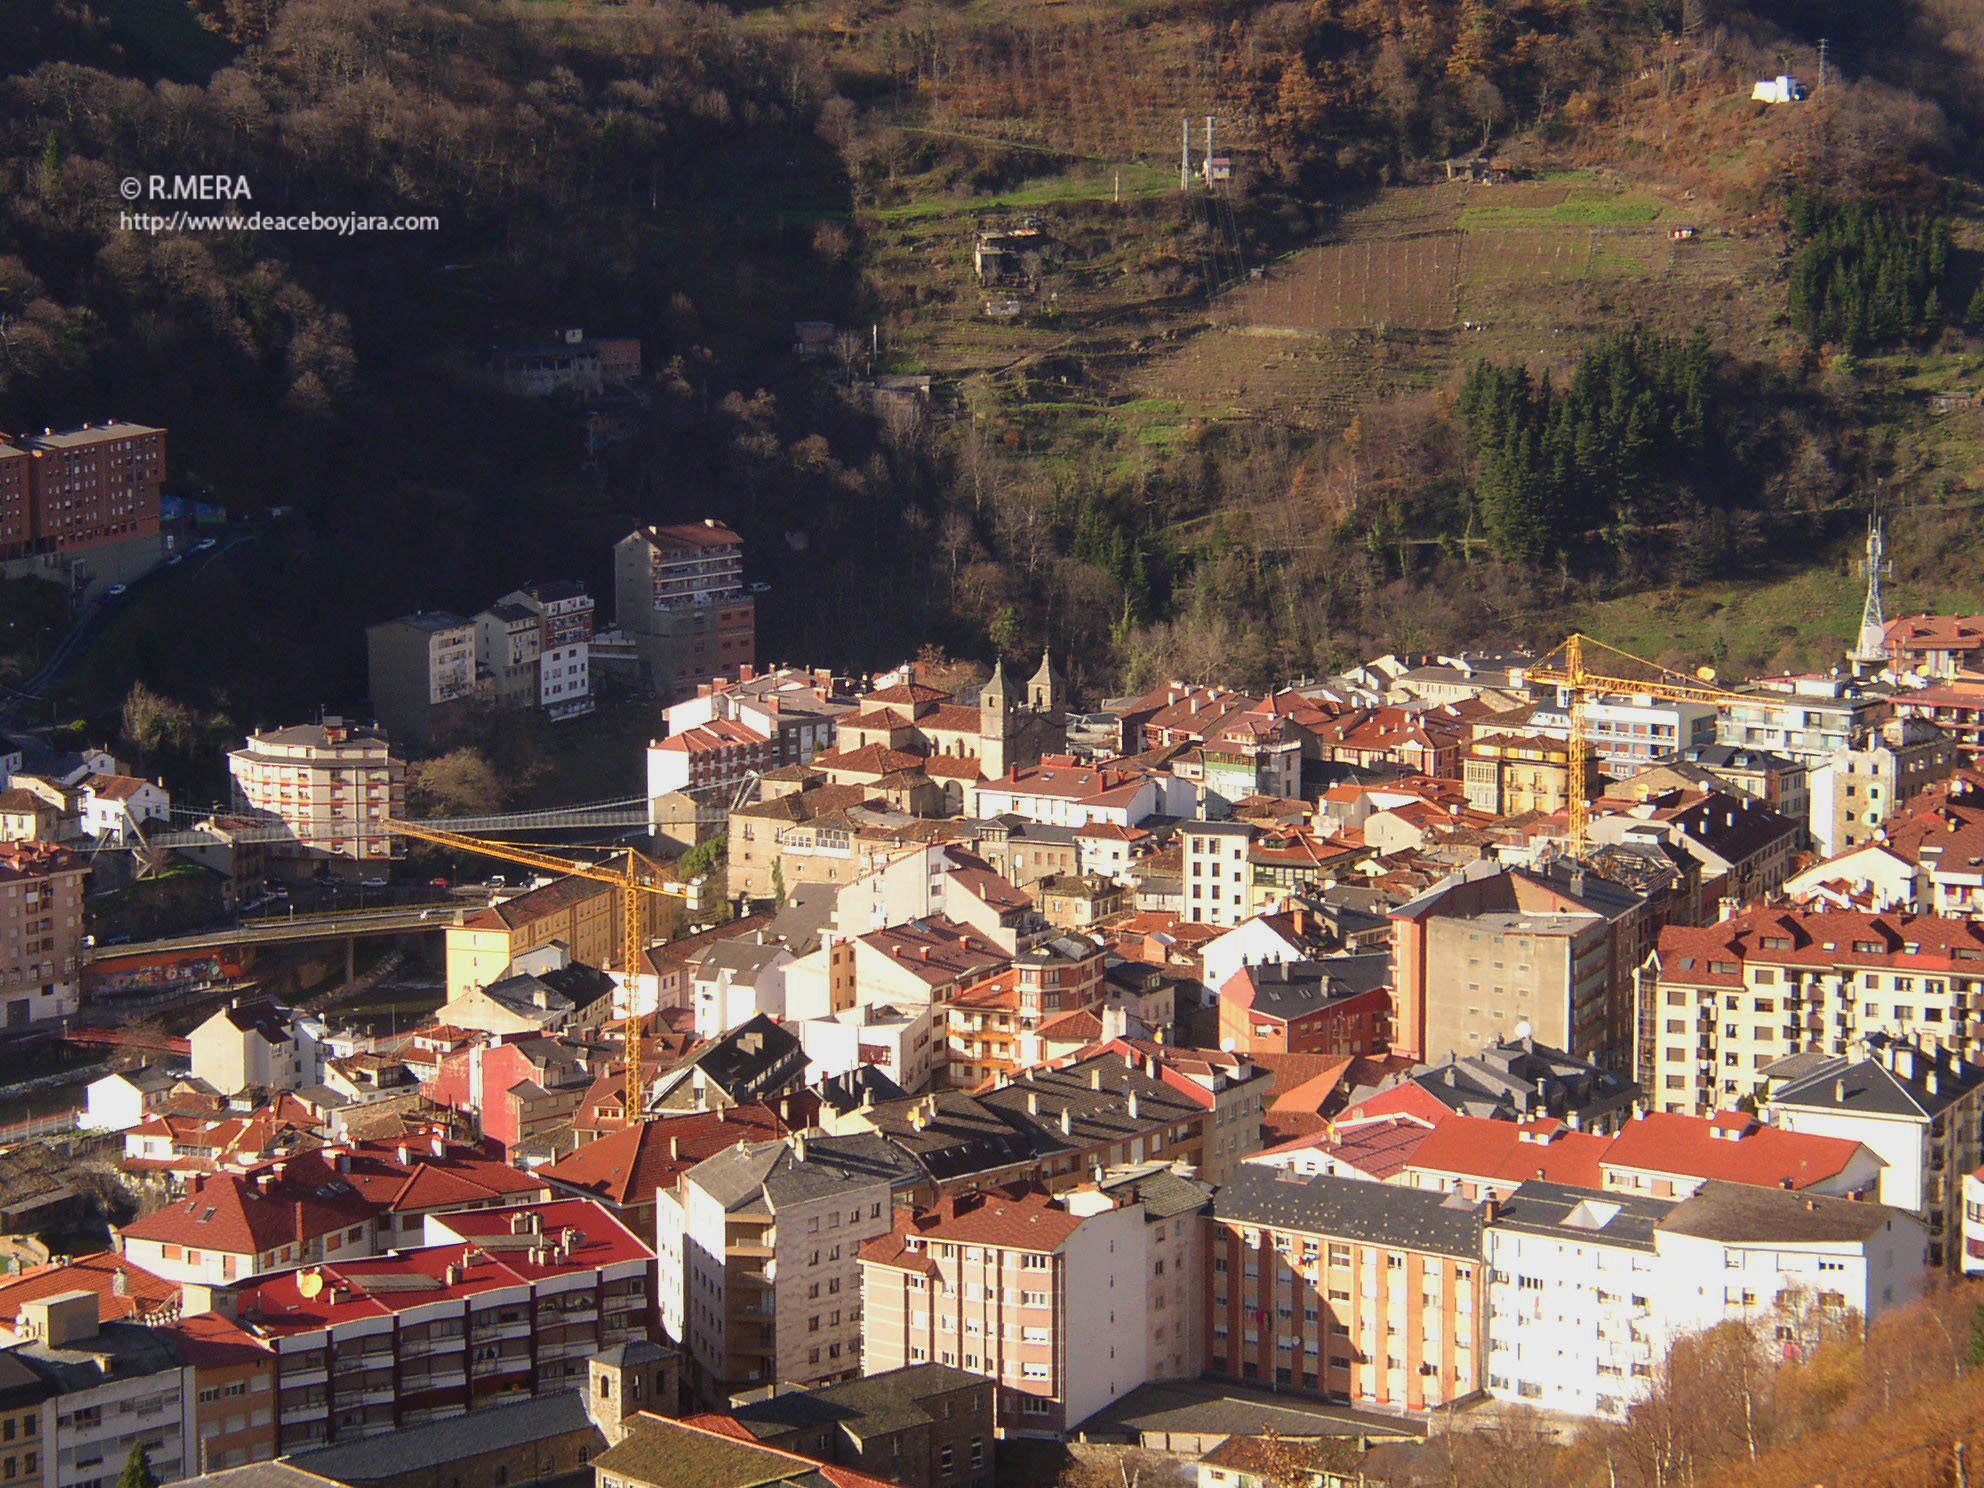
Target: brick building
pixel 77 488
pixel 1359 1292
pixel 41 905
pixel 679 592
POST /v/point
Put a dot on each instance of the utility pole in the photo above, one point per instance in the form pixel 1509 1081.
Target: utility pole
pixel 1822 64
pixel 1208 149
pixel 1184 152
pixel 1119 183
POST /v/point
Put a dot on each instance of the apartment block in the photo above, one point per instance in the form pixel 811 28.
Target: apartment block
pixel 798 1210
pixel 1804 717
pixel 1358 1292
pixel 76 488
pixel 1719 1003
pixel 1218 878
pixel 1630 733
pixel 796 709
pixel 1338 1005
pixel 581 915
pixel 1920 1110
pixel 1507 774
pixel 1492 953
pixel 1857 789
pixel 533 649
pixel 1066 1302
pixel 927 1426
pixel 1589 1290
pixel 333 784
pixel 41 905
pixel 498 1305
pixel 997 1027
pixel 421 670
pixel 679 592
pixel 113 1386
pixel 22 1392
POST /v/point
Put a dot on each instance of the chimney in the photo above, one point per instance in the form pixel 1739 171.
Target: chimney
pixel 1133 1105
pixel 1839 1090
pixel 437 1144
pixel 1067 1123
pixel 1491 1209
pixel 1033 1103
pixel 1095 1078
pixel 799 1146
pixel 675 1149
pixel 405 1155
pixel 344 1162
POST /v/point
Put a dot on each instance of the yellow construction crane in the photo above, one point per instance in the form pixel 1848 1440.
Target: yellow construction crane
pixel 629 870
pixel 1570 672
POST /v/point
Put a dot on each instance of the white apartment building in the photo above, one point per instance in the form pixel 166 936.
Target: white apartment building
pixel 796 1210
pixel 1630 733
pixel 1973 1223
pixel 117 1384
pixel 1218 878
pixel 1919 1110
pixel 1589 1289
pixel 333 784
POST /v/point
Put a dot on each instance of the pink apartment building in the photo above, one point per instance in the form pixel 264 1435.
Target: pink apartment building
pixel 1067 1301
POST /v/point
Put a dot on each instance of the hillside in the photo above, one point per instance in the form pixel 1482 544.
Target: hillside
pixel 1209 431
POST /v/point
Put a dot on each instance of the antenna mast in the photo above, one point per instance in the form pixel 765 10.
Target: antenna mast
pixel 1870 650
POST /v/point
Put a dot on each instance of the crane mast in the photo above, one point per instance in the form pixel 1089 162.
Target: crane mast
pixel 1580 681
pixel 628 869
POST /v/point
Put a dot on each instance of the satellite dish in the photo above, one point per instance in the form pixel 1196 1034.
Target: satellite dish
pixel 1523 1030
pixel 310 1284
pixel 1706 673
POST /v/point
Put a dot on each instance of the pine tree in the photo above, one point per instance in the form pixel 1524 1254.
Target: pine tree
pixel 138 1471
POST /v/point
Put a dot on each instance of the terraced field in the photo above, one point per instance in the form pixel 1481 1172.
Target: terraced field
pixel 1423 280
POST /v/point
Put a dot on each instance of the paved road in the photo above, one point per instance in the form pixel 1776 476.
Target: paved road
pixel 96 616
pixel 276 928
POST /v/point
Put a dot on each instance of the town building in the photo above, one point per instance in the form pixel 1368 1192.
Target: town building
pixel 789 713
pixel 1921 1110
pixel 1856 789
pixel 333 784
pixel 1718 1003
pixel 624 1170
pixel 498 1305
pixel 22 1392
pixel 1803 717
pixel 998 1026
pixel 1588 1290
pixel 1492 953
pixel 1507 774
pixel 580 916
pixel 421 669
pixel 61 491
pixel 679 592
pixel 1779 781
pixel 566 998
pixel 1065 1302
pixel 113 1387
pixel 924 1426
pixel 1630 733
pixel 1362 1293
pixel 256 1043
pixel 798 1210
pixel 533 649
pixel 1514 1079
pixel 1973 1223
pixel 1943 646
pixel 41 890
pixel 1338 1005
pixel 655 1449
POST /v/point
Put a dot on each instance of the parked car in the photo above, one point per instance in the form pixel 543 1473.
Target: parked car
pixel 758 586
pixel 437 883
pixel 375 883
pixel 114 591
pixel 204 545
pixel 497 881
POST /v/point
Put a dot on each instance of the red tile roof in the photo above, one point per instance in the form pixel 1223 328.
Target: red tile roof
pixel 1766 1156
pixel 1017 1218
pixel 232 1214
pixel 1513 1152
pixel 1380 1146
pixel 417 1278
pixel 626 1167
pixel 97 1272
